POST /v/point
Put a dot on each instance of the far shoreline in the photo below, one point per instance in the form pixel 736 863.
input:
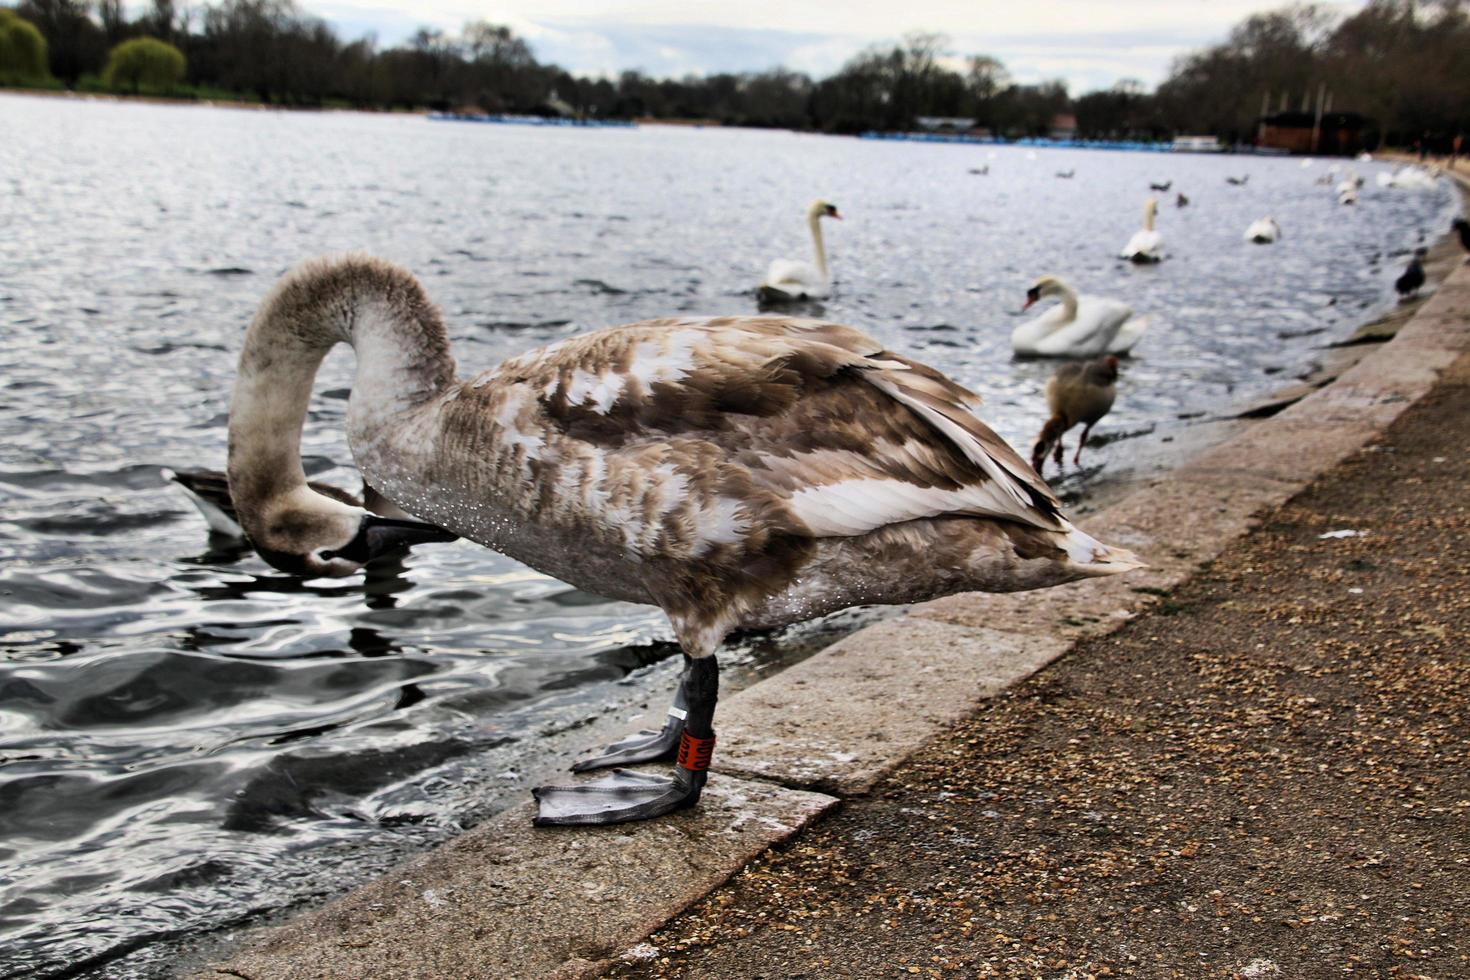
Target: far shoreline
pixel 194 101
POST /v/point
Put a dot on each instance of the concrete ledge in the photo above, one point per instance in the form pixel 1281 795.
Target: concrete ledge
pixel 506 901
pixel 841 719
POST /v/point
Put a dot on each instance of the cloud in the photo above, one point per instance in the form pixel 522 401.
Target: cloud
pixel 1089 43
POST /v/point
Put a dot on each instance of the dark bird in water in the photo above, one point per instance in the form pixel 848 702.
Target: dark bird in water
pixel 1079 393
pixel 1160 187
pixel 1238 181
pixel 1462 228
pixel 1181 201
pixel 980 171
pixel 209 490
pixel 1412 280
pixel 1067 174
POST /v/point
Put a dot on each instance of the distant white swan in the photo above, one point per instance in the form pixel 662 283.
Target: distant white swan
pixel 1263 231
pixel 1351 182
pixel 788 280
pixel 1083 326
pixel 1146 245
pixel 1408 179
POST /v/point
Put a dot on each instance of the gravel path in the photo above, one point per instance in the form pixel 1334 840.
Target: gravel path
pixel 1264 776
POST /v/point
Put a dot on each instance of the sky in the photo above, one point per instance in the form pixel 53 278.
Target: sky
pixel 1089 43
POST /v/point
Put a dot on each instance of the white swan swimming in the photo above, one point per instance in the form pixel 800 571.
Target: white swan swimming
pixel 1408 179
pixel 1350 182
pixel 1082 326
pixel 1146 245
pixel 739 472
pixel 1263 231
pixel 788 280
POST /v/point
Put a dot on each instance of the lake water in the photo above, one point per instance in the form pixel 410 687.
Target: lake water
pixel 188 738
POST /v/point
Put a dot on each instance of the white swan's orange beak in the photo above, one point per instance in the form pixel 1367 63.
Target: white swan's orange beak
pixel 1027 305
pixel 833 214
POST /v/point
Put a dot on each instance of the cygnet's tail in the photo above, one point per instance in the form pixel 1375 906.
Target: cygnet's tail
pixel 1090 557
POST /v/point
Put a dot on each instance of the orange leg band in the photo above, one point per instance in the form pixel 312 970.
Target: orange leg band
pixel 695 753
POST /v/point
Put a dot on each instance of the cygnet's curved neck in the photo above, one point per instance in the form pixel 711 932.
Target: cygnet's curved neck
pixel 403 360
pixel 815 220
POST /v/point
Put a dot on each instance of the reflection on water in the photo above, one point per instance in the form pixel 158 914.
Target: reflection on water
pixel 188 737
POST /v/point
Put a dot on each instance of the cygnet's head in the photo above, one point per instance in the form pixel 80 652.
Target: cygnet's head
pixel 306 533
pixel 1103 371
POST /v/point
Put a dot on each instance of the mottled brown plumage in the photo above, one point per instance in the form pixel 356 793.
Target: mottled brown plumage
pixel 1080 393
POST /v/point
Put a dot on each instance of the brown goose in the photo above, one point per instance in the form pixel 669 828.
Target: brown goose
pixel 737 472
pixel 1080 393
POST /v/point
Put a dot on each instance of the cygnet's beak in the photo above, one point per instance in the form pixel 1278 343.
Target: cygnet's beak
pixel 379 536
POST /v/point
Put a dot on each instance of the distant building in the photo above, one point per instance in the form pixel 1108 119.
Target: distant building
pixel 1063 126
pixel 1196 144
pixel 1341 133
pixel 557 107
pixel 945 124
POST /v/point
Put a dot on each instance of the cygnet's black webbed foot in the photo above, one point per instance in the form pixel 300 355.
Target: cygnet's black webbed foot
pixel 645 746
pixel 619 797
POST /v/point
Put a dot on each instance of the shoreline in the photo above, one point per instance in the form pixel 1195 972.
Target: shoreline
pixel 194 102
pixel 826 729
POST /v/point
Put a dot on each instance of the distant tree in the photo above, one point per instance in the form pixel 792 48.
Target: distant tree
pixel 1220 89
pixel 888 86
pixel 160 22
pixel 772 98
pixel 986 77
pixel 75 44
pixel 22 51
pixel 144 62
pixel 1028 110
pixel 114 20
pixel 1121 112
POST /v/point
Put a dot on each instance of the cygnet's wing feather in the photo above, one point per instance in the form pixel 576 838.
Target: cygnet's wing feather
pixel 701 438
